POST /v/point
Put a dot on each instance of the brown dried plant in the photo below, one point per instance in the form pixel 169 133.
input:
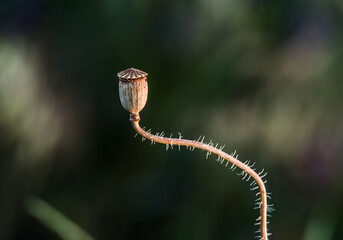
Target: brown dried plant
pixel 133 92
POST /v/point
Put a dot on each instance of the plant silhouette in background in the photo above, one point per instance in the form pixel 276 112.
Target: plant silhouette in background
pixel 133 93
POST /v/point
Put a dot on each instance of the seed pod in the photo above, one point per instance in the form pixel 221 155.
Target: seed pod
pixel 133 90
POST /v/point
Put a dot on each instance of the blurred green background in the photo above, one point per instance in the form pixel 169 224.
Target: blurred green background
pixel 263 77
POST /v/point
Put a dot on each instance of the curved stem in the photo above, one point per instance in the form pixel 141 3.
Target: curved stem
pixel 194 144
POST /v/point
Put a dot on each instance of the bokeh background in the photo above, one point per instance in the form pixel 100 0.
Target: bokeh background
pixel 262 77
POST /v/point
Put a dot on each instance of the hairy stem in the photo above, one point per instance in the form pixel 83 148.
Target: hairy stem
pixel 262 220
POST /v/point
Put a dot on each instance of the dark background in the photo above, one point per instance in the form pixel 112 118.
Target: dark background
pixel 263 77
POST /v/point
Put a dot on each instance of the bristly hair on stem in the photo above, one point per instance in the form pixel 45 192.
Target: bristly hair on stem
pixel 133 91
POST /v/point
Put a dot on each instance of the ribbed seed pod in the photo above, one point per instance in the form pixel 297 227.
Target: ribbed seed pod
pixel 133 89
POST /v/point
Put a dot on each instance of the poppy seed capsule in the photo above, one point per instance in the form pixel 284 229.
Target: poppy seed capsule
pixel 133 90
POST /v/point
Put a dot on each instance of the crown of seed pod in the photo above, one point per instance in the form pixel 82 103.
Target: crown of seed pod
pixel 133 89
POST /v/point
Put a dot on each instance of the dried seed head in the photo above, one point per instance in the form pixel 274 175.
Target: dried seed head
pixel 133 89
